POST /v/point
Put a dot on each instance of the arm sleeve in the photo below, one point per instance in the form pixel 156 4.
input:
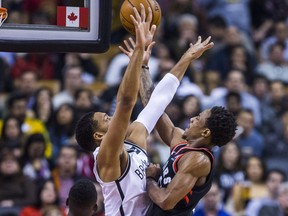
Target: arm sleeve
pixel 160 98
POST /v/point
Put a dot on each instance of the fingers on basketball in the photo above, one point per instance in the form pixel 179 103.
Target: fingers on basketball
pixel 127 9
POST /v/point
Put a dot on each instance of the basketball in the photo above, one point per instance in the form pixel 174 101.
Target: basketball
pixel 3 13
pixel 127 9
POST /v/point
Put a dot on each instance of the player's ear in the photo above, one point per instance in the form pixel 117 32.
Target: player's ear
pixel 206 133
pixel 95 207
pixel 98 136
pixel 67 202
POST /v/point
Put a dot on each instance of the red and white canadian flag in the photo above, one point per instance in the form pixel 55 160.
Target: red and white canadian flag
pixel 72 16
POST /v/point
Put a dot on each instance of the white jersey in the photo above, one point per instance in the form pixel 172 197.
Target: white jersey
pixel 127 195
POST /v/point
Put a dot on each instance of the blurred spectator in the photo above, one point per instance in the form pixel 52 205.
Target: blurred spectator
pixel 250 141
pixel 231 11
pixel 84 102
pixel 273 109
pixel 190 106
pixel 280 35
pixel 42 63
pixel 27 84
pixel 260 89
pixel 281 207
pixel 275 68
pixel 6 82
pixel 276 146
pixel 229 169
pixel 252 187
pixel 62 127
pixel 240 60
pixel 85 60
pixel 72 81
pixel 117 67
pixel 233 103
pixel 85 164
pixel 235 82
pixel 46 197
pixel 16 190
pixel 262 19
pixel 64 174
pixel 11 135
pixel 42 107
pixel 16 107
pixel 52 211
pixel 36 166
pixel 211 203
pixel 211 80
pixel 187 32
pixel 221 59
pixel 217 27
pixel 274 178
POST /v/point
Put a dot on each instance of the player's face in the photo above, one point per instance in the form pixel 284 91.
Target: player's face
pixel 196 126
pixel 103 121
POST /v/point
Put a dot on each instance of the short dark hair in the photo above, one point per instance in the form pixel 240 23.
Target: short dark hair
pixel 218 21
pixel 279 171
pixel 85 129
pixel 16 96
pixel 222 125
pixel 82 194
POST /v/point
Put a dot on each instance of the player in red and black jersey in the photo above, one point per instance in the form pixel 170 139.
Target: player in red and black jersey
pixel 187 175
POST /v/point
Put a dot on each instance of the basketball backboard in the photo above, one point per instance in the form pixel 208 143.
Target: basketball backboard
pixel 50 26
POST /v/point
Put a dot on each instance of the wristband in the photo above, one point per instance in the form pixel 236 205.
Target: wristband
pixel 145 67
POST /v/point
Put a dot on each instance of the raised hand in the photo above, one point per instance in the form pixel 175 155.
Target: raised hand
pixel 197 49
pixel 129 49
pixel 139 21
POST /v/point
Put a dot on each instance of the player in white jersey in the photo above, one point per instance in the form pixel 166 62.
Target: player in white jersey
pixel 127 195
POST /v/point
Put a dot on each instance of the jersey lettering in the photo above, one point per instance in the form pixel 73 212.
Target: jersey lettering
pixel 167 180
pixel 141 169
pixel 135 149
pixel 139 173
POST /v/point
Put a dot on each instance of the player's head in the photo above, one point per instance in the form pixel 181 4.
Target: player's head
pixel 82 199
pixel 91 128
pixel 217 126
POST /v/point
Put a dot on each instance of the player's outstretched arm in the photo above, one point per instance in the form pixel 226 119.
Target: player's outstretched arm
pixel 112 155
pixel 165 127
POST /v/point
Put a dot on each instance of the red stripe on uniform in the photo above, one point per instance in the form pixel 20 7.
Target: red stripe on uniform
pixel 186 199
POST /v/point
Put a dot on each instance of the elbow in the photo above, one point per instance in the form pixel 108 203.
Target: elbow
pixel 127 102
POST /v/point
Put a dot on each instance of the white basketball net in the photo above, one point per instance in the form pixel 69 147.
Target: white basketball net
pixel 3 17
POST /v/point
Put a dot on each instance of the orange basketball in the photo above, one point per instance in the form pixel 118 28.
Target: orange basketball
pixel 127 9
pixel 3 13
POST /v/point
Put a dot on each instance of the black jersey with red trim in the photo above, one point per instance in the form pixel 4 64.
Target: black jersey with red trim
pixel 185 206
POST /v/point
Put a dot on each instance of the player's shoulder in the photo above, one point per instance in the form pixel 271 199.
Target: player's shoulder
pixel 196 162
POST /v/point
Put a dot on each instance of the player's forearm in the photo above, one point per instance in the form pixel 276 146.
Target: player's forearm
pixel 128 89
pixel 146 86
pixel 158 195
pixel 181 66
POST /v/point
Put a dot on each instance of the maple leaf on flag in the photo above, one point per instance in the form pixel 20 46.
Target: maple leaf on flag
pixel 72 17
